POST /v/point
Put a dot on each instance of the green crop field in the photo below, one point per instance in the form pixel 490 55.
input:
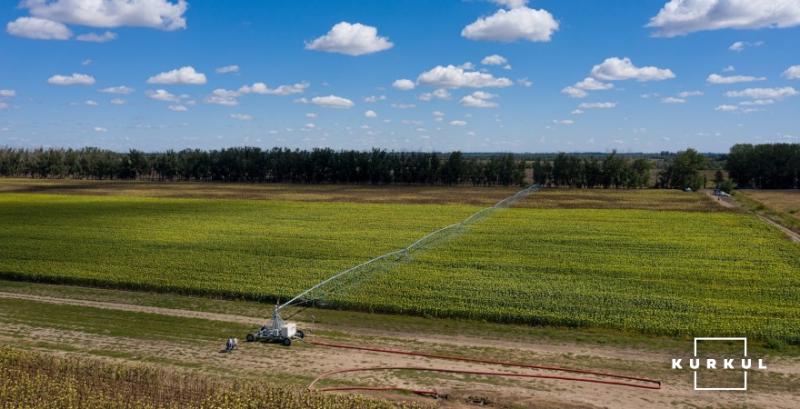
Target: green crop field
pixel 658 272
pixel 258 249
pixel 672 273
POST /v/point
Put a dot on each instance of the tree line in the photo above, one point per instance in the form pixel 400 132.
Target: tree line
pixel 251 164
pixel 765 166
pixel 613 171
pixel 760 166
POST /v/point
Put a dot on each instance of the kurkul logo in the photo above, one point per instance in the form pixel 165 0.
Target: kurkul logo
pixel 742 363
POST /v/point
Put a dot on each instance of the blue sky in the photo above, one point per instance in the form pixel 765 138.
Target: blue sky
pixel 648 88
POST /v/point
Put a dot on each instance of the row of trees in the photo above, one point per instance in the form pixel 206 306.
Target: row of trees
pixel 768 166
pixel 760 166
pixel 613 171
pixel 250 164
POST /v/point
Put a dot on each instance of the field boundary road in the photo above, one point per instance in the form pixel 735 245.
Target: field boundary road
pixel 137 308
pixel 792 235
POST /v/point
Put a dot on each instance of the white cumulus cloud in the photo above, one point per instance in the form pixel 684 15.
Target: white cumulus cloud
pixel 440 93
pixel 183 75
pixel 122 89
pixel 597 105
pixel 178 108
pixel 38 29
pixel 221 96
pixel 351 39
pixel 758 102
pixel 161 95
pixel 732 79
pixel 158 14
pixel 403 84
pixel 458 123
pixel 494 59
pixel 332 101
pixel 370 114
pixel 681 17
pixel 739 46
pixel 792 73
pixel 521 23
pixel 117 101
pixel 763 93
pixel 8 93
pixel 282 90
pixel 591 84
pixel 74 79
pixel 726 108
pixel 97 38
pixel 228 69
pixel 574 92
pixel 587 84
pixel 687 94
pixel 618 69
pixel 456 77
pixel 479 99
pixel 673 100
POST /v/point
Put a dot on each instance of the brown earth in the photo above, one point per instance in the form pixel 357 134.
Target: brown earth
pixel 784 201
pixel 265 191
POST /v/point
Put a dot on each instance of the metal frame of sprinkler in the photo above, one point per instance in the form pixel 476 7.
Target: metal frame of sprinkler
pixel 278 330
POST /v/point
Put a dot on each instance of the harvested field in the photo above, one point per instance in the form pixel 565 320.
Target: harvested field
pixel 645 199
pixel 484 196
pixel 783 201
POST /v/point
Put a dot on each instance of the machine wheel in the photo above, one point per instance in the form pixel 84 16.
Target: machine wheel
pixel 300 334
pixel 287 342
pixel 251 338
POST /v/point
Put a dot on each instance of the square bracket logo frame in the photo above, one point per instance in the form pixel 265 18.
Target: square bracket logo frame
pixel 744 384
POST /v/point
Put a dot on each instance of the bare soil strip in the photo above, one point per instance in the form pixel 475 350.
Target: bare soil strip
pixel 399 194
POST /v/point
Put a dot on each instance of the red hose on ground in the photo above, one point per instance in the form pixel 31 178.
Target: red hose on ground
pixel 423 392
pixel 464 372
pixel 487 361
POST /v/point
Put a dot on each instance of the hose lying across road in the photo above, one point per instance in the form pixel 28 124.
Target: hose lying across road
pixel 611 379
